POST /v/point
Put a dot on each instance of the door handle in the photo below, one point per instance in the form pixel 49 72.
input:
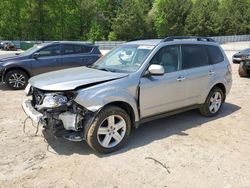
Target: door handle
pixel 55 60
pixel 211 72
pixel 181 78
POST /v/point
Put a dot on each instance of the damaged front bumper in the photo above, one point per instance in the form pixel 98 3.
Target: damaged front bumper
pixel 31 111
pixel 62 124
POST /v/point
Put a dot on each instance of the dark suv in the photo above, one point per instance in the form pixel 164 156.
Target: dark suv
pixel 241 56
pixel 15 70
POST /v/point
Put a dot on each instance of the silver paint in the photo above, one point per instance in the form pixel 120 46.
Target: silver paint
pixel 157 94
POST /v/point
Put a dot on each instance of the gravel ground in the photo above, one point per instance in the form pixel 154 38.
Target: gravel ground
pixel 185 150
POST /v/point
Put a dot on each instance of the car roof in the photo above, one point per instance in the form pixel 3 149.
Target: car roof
pixel 66 42
pixel 175 40
pixel 152 42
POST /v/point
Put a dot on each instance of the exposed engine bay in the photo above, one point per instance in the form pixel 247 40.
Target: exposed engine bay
pixel 59 113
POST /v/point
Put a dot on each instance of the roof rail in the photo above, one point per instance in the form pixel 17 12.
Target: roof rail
pixel 198 38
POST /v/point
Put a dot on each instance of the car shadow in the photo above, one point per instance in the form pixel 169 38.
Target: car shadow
pixel 146 133
pixel 4 87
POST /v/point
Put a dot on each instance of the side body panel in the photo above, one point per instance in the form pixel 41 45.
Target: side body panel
pixel 159 94
pixel 122 90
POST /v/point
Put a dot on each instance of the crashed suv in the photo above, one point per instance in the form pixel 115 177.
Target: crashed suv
pixel 134 83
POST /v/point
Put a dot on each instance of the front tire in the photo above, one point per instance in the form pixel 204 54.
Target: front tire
pixel 16 79
pixel 213 103
pixel 242 70
pixel 109 130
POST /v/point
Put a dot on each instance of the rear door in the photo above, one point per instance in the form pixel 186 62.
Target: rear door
pixel 49 59
pixel 75 55
pixel 219 63
pixel 195 61
pixel 159 94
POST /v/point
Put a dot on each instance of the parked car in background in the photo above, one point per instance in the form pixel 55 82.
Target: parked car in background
pixel 15 70
pixel 241 56
pixel 137 82
pixel 244 68
pixel 7 45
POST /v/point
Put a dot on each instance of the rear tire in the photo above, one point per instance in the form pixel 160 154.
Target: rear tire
pixel 213 103
pixel 16 79
pixel 242 70
pixel 110 130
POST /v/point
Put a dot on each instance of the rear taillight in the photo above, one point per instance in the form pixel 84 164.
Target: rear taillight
pixel 229 67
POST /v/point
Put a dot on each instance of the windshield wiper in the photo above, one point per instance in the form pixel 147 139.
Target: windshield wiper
pixel 105 69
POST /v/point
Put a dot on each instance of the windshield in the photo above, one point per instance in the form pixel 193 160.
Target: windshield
pixel 31 50
pixel 127 58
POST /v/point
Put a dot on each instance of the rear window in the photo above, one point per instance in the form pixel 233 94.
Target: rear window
pixel 215 54
pixel 76 49
pixel 86 49
pixel 194 56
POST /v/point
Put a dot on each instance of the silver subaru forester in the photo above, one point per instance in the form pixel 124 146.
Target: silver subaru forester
pixel 137 82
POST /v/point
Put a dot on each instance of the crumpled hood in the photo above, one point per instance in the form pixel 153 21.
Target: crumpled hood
pixel 69 79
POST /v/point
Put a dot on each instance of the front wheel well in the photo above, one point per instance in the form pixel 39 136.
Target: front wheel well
pixel 15 68
pixel 125 106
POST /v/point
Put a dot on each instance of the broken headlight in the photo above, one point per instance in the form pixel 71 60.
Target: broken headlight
pixel 53 100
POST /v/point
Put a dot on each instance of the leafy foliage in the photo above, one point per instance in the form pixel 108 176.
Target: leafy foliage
pixel 170 15
pixel 203 20
pixel 121 19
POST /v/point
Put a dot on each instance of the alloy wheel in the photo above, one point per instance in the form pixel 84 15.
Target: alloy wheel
pixel 215 102
pixel 17 80
pixel 111 131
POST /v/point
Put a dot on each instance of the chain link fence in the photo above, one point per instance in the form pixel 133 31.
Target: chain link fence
pixel 108 45
pixel 233 38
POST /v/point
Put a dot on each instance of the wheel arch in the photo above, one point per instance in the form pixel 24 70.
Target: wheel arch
pixel 222 87
pixel 125 106
pixel 15 68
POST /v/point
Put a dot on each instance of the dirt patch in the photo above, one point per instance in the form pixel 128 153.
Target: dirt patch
pixel 186 150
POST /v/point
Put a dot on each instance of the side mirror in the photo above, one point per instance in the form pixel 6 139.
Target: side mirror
pixel 35 55
pixel 156 70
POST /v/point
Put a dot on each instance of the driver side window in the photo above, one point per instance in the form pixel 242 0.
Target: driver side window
pixel 50 51
pixel 168 57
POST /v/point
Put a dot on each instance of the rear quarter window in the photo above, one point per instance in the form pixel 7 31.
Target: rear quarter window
pixel 76 49
pixel 86 49
pixel 215 54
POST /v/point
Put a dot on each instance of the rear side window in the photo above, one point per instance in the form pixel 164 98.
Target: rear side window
pixel 86 49
pixel 215 54
pixel 194 56
pixel 76 49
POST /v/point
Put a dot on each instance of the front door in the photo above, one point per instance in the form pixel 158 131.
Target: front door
pixel 49 59
pixel 159 94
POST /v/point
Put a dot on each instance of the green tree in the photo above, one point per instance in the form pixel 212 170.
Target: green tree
pixel 234 17
pixel 203 19
pixel 107 10
pixel 10 19
pixel 169 16
pixel 130 22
